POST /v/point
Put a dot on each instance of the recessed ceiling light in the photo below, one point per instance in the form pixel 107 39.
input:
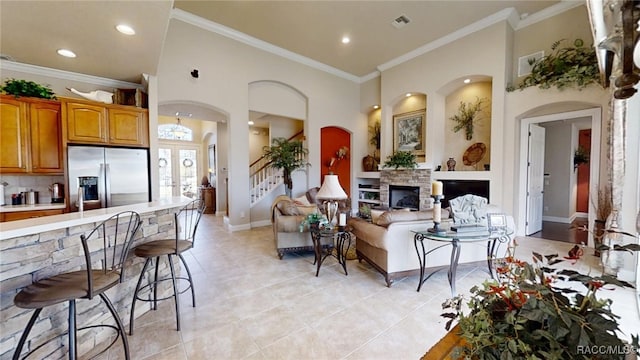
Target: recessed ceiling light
pixel 346 40
pixel 466 81
pixel 376 106
pixel 251 122
pixel 125 29
pixel 408 94
pixel 66 53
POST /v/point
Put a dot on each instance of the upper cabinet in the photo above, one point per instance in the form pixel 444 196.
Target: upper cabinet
pixel 94 123
pixel 128 127
pixel 30 136
pixel 86 123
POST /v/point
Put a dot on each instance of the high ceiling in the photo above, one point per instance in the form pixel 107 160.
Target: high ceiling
pixel 32 31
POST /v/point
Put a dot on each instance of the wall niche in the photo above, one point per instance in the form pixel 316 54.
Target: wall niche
pixel 473 153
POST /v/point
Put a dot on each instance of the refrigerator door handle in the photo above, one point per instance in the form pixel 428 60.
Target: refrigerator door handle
pixel 107 174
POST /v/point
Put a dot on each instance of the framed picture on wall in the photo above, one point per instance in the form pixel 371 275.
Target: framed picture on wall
pixel 408 132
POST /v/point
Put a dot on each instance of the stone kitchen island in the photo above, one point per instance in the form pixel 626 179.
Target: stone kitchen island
pixel 36 248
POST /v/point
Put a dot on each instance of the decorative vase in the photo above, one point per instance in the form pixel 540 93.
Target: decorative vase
pixel 369 163
pixel 451 164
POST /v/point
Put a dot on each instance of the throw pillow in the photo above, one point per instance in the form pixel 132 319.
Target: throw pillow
pixel 288 207
pixel 389 217
pixel 375 215
pixel 306 210
pixel 302 200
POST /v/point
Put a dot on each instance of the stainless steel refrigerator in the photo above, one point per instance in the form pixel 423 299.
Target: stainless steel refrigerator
pixel 121 175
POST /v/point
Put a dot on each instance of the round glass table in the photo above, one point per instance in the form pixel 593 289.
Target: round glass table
pixel 455 239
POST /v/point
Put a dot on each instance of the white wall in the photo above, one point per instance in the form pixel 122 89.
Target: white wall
pixel 558 163
pixel 226 69
pixel 435 74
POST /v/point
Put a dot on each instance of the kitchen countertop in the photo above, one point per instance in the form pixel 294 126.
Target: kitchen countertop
pixel 12 229
pixel 35 207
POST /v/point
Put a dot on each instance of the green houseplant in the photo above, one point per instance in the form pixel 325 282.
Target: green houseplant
pixel 288 155
pixel 571 66
pixel 467 114
pixel 529 314
pixel 580 156
pixel 401 159
pixel 27 88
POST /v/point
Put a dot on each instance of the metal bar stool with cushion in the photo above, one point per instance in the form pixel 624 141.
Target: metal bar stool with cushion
pixel 105 251
pixel 186 224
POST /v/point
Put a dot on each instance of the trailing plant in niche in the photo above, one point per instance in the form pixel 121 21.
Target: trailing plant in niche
pixel 401 159
pixel 571 66
pixel 467 114
pixel 27 88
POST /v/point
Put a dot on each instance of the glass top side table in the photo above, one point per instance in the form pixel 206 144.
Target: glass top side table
pixel 342 236
pixel 455 239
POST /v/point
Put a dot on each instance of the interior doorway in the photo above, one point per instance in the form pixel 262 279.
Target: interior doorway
pixel 559 173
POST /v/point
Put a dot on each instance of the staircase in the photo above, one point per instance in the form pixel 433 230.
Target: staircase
pixel 263 178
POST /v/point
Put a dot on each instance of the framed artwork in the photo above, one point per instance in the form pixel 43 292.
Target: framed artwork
pixel 497 222
pixel 408 132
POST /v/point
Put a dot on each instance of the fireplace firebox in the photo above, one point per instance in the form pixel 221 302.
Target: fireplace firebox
pixel 404 197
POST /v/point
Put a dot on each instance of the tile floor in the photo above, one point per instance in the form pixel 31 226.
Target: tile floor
pixel 250 305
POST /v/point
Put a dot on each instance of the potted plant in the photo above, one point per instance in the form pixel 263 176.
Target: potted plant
pixel 315 219
pixel 401 159
pixel 580 156
pixel 529 314
pixel 571 66
pixel 27 88
pixel 604 207
pixel 370 162
pixel 288 155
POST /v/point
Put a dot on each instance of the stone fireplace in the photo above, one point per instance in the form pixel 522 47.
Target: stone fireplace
pixel 407 184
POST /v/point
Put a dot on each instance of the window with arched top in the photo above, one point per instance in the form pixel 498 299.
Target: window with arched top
pixel 175 132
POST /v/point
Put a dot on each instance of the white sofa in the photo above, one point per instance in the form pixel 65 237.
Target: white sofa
pixel 387 243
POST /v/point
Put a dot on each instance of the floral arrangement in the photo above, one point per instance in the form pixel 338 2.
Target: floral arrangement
pixel 312 219
pixel 467 113
pixel 341 154
pixel 526 314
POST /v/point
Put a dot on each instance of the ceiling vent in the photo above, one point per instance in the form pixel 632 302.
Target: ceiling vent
pixel 400 21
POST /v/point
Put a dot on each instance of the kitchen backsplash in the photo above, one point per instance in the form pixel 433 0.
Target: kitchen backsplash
pixel 20 183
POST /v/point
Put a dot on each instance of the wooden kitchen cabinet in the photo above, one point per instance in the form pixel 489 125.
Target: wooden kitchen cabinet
pixel 46 138
pixel 128 127
pixel 14 131
pixel 30 136
pixel 21 215
pixel 105 124
pixel 86 123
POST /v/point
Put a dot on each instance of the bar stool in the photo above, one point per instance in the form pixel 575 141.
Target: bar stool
pixel 105 251
pixel 186 224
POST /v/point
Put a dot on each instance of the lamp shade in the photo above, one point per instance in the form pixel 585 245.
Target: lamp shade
pixel 331 189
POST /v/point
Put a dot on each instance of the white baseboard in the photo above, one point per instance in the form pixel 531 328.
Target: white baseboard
pixel 556 219
pixel 260 223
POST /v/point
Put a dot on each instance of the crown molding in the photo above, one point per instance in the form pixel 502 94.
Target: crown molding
pixel 257 43
pixel 510 15
pixel 67 75
pixel 547 13
pixel 449 38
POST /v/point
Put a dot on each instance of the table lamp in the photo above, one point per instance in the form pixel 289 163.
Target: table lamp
pixel 331 191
